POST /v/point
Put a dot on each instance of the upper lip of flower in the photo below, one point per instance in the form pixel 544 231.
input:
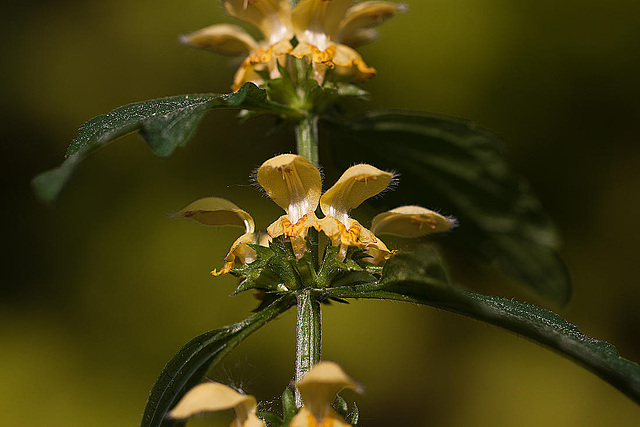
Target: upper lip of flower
pixel 215 397
pixel 318 388
pixel 317 25
pixel 219 212
pixel 357 184
pixel 293 183
pixel 271 17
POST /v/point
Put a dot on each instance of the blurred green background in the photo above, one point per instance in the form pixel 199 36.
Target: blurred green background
pixel 100 290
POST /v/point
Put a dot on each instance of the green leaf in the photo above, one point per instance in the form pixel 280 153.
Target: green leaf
pixel 355 415
pixel 540 325
pixel 165 124
pixel 289 408
pixel 456 167
pixel 193 361
pixel 341 406
pixel 273 420
pixel 334 272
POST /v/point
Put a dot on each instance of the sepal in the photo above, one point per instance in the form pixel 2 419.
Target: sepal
pixel 298 89
pixel 350 271
pixel 342 408
pixel 272 271
pixel 289 410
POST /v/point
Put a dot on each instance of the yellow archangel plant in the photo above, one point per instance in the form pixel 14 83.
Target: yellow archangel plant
pixel 305 64
pixel 295 185
pixel 324 32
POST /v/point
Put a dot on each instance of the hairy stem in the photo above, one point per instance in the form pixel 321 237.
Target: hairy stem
pixel 309 321
pixel 308 335
pixel 307 139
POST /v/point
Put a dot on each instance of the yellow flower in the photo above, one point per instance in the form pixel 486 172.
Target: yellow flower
pixel 295 185
pixel 271 17
pixel 221 212
pixel 357 184
pixel 318 388
pixel 410 221
pixel 215 397
pixel 326 32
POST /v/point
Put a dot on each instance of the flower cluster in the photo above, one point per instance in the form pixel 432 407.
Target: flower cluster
pixel 318 389
pixel 296 186
pixel 323 32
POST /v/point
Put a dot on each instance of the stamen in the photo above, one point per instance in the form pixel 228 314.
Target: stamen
pixel 432 224
pixel 246 3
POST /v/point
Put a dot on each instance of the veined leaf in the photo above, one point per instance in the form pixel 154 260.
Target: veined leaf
pixel 454 166
pixel 539 325
pixel 165 124
pixel 193 361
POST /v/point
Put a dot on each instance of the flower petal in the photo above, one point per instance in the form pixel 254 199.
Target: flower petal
pixel 375 248
pixel 365 15
pixel 241 251
pixel 349 63
pixel 357 184
pixel 253 421
pixel 297 232
pixel 217 211
pixel 410 221
pixel 271 17
pixel 247 72
pixel 304 418
pixel 293 182
pixel 359 37
pixel 214 397
pixel 316 55
pixel 223 39
pixel 317 21
pixel 320 385
pixel 339 234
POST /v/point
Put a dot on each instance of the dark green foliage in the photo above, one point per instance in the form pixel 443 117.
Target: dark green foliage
pixel 289 409
pixel 422 284
pixel 165 124
pixel 454 166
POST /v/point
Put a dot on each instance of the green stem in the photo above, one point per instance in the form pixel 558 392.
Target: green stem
pixel 307 138
pixel 308 335
pixel 309 322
